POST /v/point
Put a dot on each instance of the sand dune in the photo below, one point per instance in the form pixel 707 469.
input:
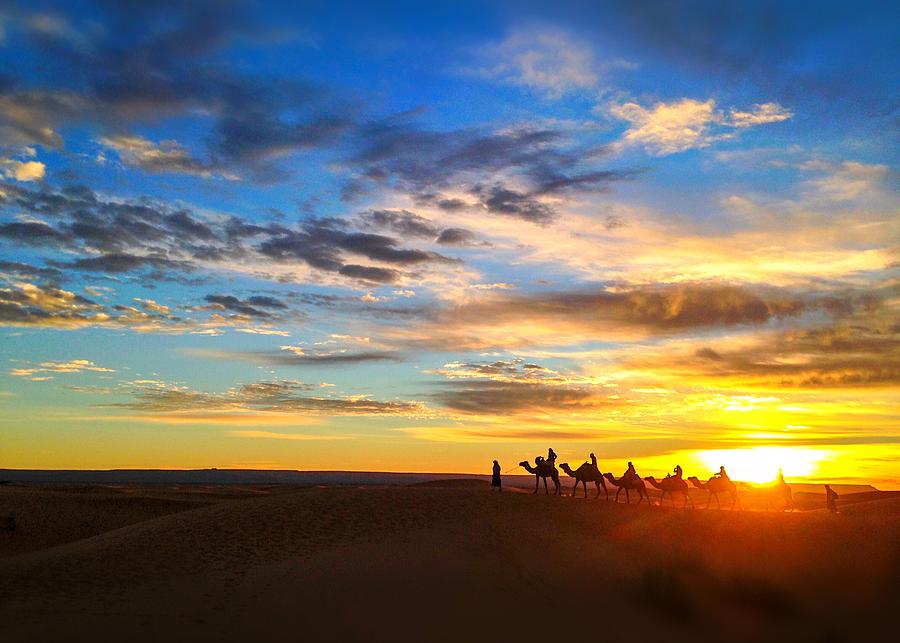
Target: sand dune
pixel 433 563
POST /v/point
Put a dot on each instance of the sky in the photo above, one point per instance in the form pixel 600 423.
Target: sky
pixel 415 237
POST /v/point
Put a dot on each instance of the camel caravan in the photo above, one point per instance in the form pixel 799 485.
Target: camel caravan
pixel 719 487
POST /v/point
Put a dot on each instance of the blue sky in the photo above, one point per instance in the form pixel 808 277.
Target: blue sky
pixel 413 238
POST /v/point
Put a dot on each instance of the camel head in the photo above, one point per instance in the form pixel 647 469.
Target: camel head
pixel 565 467
pixel 524 463
pixel 610 477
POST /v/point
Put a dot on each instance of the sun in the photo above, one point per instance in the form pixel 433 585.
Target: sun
pixel 761 464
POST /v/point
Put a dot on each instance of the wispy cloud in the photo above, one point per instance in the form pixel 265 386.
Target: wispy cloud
pixel 668 128
pixel 547 61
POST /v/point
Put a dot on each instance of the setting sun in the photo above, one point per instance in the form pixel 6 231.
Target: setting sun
pixel 761 464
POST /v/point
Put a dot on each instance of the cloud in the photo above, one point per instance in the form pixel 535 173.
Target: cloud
pixel 284 397
pixel 29 305
pixel 34 233
pixel 299 356
pixel 24 304
pixel 166 156
pixel 252 307
pixel 507 387
pixel 22 170
pixel 499 199
pixel 123 262
pixel 139 235
pixel 15 270
pixel 548 62
pixel 501 319
pixel 861 350
pixel 152 306
pixel 169 70
pixel 850 180
pixel 71 366
pixel 668 128
pixel 534 161
pixel 402 222
pixel 458 237
pixel 760 115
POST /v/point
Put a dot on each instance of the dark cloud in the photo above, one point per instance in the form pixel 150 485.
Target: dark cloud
pixel 123 262
pixel 505 387
pixel 230 302
pixel 506 398
pixel 320 243
pixel 402 222
pixel 452 205
pixel 31 233
pixel 762 42
pixel 140 63
pixel 370 273
pixel 142 234
pixel 266 302
pixel 502 319
pixel 289 356
pixel 26 304
pixel 671 307
pixel 30 272
pixel 864 351
pixel 458 237
pixel 502 200
pixel 424 162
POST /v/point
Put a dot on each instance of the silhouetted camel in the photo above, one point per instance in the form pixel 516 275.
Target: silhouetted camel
pixel 671 485
pixel 542 471
pixel 587 472
pixel 715 486
pixel 633 483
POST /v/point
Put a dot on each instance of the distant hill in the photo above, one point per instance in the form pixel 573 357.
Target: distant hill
pixel 227 476
pixel 307 478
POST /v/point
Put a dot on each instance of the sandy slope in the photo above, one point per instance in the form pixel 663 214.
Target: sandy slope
pixel 450 563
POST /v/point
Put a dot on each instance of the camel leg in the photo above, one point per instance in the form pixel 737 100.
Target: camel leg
pixel 537 481
pixel 584 484
pixel 546 490
pixel 556 482
pixel 628 498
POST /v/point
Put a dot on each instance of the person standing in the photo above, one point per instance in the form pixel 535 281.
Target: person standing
pixel 495 477
pixel 831 499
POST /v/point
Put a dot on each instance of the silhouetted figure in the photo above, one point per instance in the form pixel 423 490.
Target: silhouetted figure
pixel 495 477
pixel 780 477
pixel 630 472
pixel 831 499
pixel 584 474
pixel 594 461
pixel 542 469
pixel 718 483
pixel 551 456
pixel 679 472
pixel 629 483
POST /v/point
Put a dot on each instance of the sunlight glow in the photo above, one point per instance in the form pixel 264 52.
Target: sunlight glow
pixel 761 464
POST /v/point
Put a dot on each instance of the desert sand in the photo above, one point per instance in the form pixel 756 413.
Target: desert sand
pixel 434 563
